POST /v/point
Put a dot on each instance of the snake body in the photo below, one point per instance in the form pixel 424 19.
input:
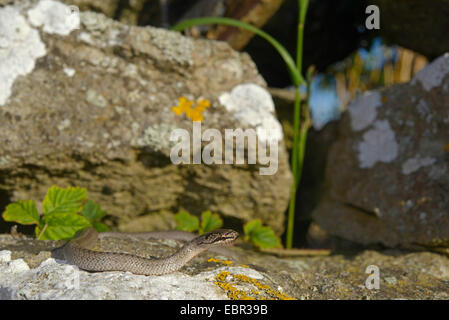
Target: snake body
pixel 78 252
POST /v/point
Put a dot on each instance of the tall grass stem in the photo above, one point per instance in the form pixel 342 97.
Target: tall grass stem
pixel 299 136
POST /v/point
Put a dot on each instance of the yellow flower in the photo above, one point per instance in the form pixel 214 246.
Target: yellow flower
pixel 185 105
pixel 203 104
pixel 196 115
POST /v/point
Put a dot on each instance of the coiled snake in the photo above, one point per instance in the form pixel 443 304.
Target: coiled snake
pixel 78 251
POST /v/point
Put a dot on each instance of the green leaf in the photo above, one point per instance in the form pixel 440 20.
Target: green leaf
pixel 38 229
pixel 100 227
pixel 61 226
pixel 24 212
pixel 68 200
pixel 210 221
pixel 261 236
pixel 92 211
pixel 250 226
pixel 186 222
pixel 265 238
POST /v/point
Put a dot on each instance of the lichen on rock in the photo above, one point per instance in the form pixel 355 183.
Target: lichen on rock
pixel 54 17
pixel 20 46
pixel 389 166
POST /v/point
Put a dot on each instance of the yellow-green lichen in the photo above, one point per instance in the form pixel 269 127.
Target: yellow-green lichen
pixel 226 281
pixel 225 262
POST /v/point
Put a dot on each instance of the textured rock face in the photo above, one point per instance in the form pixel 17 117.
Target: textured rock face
pixel 28 272
pixel 388 173
pixel 89 103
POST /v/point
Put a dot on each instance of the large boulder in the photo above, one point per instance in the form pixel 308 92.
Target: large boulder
pixel 90 104
pixel 387 175
pixel 27 271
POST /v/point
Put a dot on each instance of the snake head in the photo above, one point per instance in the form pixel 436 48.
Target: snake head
pixel 217 237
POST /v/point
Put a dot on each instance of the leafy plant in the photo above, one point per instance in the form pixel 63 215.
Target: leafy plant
pixel 64 213
pixel 187 222
pixel 261 236
pixel 295 70
pixel 210 221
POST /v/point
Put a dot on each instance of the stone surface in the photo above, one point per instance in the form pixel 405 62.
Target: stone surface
pixel 387 175
pixel 89 104
pixel 28 272
pixel 20 46
pixel 108 8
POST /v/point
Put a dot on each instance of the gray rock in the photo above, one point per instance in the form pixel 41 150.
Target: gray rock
pixel 28 272
pixel 68 282
pixel 25 275
pixel 89 103
pixel 387 173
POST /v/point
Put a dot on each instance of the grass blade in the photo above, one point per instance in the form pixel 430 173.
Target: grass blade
pixel 295 75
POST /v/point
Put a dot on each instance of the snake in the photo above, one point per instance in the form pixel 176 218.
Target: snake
pixel 78 251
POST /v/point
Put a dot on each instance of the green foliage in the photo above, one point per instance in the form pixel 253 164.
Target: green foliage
pixel 65 212
pixel 68 200
pixel 210 221
pixel 63 225
pixel 24 212
pixel 261 236
pixel 92 212
pixel 187 222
